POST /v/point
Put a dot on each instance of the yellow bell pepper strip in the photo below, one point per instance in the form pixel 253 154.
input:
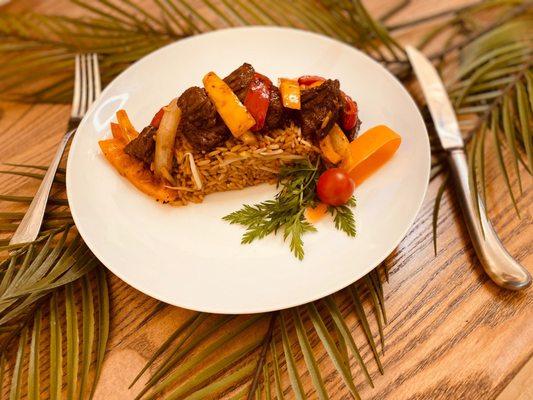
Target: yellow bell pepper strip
pixel 335 146
pixel 370 151
pixel 290 93
pixel 128 130
pixel 134 170
pixel 234 114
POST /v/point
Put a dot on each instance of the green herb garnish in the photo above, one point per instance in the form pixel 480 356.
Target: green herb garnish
pixel 286 212
pixel 343 217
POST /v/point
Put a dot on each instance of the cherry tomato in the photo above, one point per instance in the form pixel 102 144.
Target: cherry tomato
pixel 157 118
pixel 349 113
pixel 307 80
pixel 335 187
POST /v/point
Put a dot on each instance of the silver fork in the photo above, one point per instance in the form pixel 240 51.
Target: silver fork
pixel 87 87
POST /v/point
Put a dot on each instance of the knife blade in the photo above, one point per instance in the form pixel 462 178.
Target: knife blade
pixel 438 101
pixel 497 262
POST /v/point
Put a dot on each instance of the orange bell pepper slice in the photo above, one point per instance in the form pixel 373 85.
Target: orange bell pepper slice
pixel 128 131
pixel 118 134
pixel 134 170
pixel 315 214
pixel 370 151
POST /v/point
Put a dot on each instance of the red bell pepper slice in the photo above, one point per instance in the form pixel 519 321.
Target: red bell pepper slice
pixel 156 120
pixel 349 113
pixel 307 80
pixel 257 100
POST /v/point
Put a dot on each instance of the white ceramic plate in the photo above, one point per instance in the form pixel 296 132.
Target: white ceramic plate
pixel 188 256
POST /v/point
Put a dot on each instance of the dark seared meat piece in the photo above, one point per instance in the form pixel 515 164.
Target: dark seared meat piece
pixel 275 114
pixel 240 79
pixel 200 123
pixel 143 146
pixel 320 109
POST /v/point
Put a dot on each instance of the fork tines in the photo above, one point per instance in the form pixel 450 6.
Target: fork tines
pixel 87 84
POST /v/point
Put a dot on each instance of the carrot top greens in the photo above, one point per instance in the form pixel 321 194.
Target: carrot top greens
pixel 286 212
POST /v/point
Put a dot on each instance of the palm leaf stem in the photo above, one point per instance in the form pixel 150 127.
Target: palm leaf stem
pixel 262 356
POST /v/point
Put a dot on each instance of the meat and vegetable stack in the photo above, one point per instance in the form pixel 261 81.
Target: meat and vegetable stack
pixel 232 133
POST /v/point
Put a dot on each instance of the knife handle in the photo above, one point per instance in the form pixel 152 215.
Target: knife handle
pixel 496 261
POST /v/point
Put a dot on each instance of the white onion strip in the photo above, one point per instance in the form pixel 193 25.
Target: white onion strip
pixel 194 172
pixel 164 140
pixel 231 160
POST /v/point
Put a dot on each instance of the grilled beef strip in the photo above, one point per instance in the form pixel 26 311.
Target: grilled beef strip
pixel 275 117
pixel 200 123
pixel 143 146
pixel 240 79
pixel 320 109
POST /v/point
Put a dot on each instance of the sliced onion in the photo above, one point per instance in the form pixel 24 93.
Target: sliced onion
pixel 231 160
pixel 271 153
pixel 164 141
pixel 194 172
pixel 305 143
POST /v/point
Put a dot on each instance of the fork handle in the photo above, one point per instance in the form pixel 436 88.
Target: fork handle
pixel 29 227
pixel 497 262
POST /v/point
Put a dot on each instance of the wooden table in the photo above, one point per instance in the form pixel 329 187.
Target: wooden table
pixel 452 334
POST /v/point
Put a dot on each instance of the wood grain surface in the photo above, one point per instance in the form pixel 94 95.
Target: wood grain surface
pixel 452 334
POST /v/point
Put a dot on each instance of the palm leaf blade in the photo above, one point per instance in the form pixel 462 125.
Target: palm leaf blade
pixel 56 356
pixel 72 341
pixel 331 348
pixel 294 377
pixel 33 366
pixel 16 379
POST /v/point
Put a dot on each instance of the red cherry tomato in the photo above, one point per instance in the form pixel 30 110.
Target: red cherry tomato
pixel 307 80
pixel 335 187
pixel 157 118
pixel 349 113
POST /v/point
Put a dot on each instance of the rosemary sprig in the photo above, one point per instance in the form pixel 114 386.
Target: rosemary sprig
pixel 286 212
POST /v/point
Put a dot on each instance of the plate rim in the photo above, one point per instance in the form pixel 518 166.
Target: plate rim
pixel 250 310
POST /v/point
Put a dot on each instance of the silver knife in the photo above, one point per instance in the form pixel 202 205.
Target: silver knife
pixel 496 261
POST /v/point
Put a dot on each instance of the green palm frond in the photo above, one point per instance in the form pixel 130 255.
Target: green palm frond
pixel 78 341
pixel 250 362
pixel 121 32
pixel 54 281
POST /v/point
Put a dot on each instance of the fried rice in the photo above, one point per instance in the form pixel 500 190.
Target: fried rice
pixel 236 165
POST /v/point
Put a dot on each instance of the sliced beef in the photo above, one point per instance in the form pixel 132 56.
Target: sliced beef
pixel 200 123
pixel 240 79
pixel 275 114
pixel 320 109
pixel 143 146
